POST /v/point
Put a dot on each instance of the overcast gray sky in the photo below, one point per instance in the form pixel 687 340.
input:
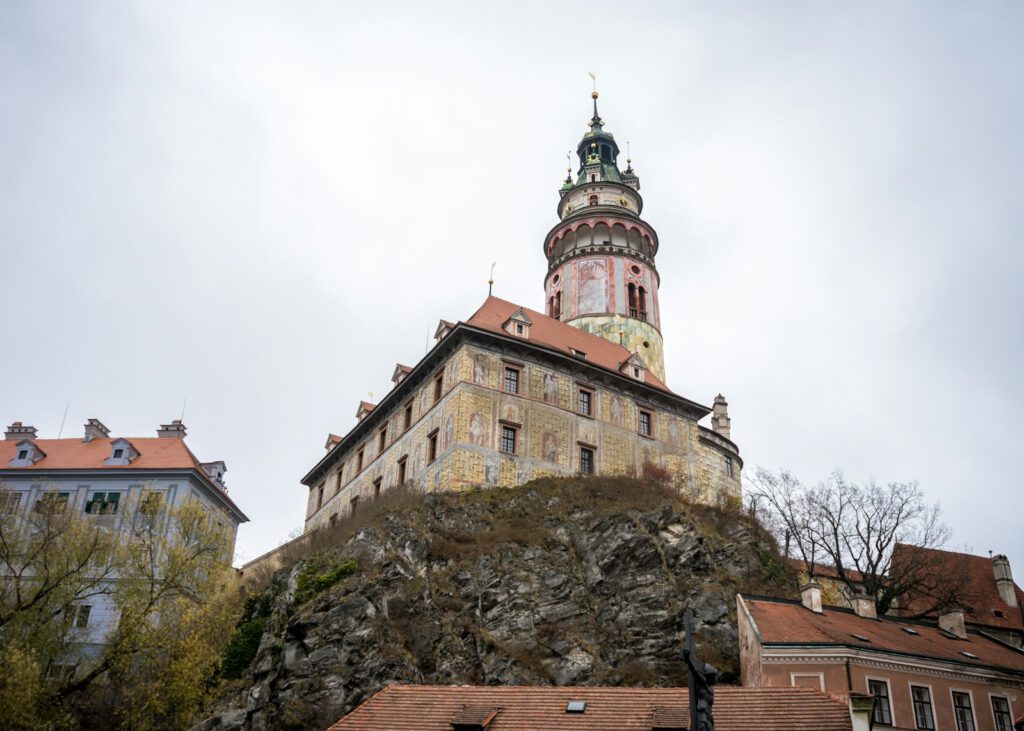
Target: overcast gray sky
pixel 262 207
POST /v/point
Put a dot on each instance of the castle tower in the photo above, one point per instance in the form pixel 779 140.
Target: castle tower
pixel 601 275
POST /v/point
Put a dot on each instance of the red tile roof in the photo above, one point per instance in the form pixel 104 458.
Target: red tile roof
pixel 824 571
pixel 533 708
pixel 784 622
pixel 979 595
pixel 494 313
pixel 64 454
pixel 155 453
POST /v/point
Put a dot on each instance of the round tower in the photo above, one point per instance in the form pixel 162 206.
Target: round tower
pixel 601 275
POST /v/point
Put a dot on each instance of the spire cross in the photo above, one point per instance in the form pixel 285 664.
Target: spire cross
pixel 593 95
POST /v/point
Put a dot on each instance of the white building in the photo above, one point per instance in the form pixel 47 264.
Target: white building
pixel 99 475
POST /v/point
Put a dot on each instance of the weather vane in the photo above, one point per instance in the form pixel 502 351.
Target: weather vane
pixel 490 280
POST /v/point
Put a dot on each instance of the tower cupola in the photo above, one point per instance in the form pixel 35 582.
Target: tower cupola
pixel 601 274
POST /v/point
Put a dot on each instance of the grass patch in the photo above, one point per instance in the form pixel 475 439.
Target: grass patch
pixel 315 579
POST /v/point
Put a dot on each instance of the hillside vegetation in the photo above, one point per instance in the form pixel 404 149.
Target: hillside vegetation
pixel 560 581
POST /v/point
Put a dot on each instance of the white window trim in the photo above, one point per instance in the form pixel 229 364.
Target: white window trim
pixel 1009 705
pixel 820 676
pixel 888 685
pixel 911 684
pixel 952 706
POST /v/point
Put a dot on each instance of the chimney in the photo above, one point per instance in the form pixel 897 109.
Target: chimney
pixel 720 416
pixel 17 431
pixel 1004 579
pixel 862 707
pixel 953 622
pixel 174 430
pixel 94 429
pixel 864 606
pixel 810 596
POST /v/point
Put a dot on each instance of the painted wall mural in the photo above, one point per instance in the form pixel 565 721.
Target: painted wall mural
pixel 478 432
pixel 550 446
pixel 481 369
pixel 593 286
pixel 550 388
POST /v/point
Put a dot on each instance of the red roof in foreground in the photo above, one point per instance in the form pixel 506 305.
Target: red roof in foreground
pixel 494 313
pixel 784 622
pixel 64 454
pixel 979 594
pixel 533 708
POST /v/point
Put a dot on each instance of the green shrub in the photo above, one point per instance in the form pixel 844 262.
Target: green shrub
pixel 314 579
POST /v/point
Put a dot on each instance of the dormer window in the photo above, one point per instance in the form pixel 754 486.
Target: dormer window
pixel 121 453
pixel 518 324
pixel 26 454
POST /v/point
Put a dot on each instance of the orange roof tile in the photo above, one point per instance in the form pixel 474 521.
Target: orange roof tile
pixel 533 708
pixel 979 595
pixel 785 622
pixel 65 454
pixel 155 453
pixel 494 313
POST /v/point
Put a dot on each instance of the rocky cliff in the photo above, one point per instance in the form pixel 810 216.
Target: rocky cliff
pixel 580 582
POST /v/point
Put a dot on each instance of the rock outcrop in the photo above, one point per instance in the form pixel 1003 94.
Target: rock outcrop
pixel 581 582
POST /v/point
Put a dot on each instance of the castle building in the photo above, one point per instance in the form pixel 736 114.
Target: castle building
pixel 511 394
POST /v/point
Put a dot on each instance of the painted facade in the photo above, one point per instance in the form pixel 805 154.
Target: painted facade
pixel 498 401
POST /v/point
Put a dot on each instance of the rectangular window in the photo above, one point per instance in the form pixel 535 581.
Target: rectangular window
pixel 432 446
pixel 401 469
pixel 438 387
pixel 118 453
pixel 508 439
pixel 359 461
pixel 645 423
pixel 376 487
pixel 82 612
pixel 883 711
pixel 586 402
pixel 963 711
pixel 408 416
pixel 53 502
pixel 341 478
pixel 22 454
pixel 353 504
pixel 382 438
pixel 1001 713
pixel 924 719
pixel 9 501
pixel 511 380
pixel 319 496
pixel 586 460
pixel 727 466
pixel 103 503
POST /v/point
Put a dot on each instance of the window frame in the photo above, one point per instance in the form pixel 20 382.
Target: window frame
pixel 438 386
pixel 516 373
pixel 514 430
pixel 105 502
pixel 403 463
pixel 888 701
pixel 432 446
pixel 360 459
pixel 592 450
pixel 407 416
pixel 377 485
pixel 10 501
pixel 382 438
pixel 640 414
pixel 992 698
pixel 82 614
pixel 931 705
pixel 589 392
pixel 953 693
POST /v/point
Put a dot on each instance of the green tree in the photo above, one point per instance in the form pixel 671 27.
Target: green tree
pixel 167 573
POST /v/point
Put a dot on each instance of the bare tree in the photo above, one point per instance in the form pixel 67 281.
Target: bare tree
pixel 854 530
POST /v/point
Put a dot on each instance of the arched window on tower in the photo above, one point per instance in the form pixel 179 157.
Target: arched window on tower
pixel 632 300
pixel 642 303
pixel 556 307
pixel 593 200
